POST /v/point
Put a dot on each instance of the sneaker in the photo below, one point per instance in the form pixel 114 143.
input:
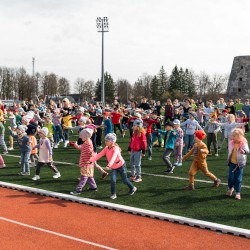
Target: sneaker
pixel 230 192
pixel 237 196
pixel 10 148
pixel 75 193
pixel 113 196
pixel 21 173
pixel 26 173
pixel 100 147
pixel 66 144
pixel 170 170
pixel 5 152
pixel 56 175
pixel 209 153
pixel 91 189
pixel 216 155
pixel 56 146
pixel 139 179
pixel 179 164
pixel 189 187
pixel 176 163
pixel 104 175
pixel 61 140
pixel 132 178
pixel 132 191
pixel 150 158
pixel 3 166
pixel 36 177
pixel 217 183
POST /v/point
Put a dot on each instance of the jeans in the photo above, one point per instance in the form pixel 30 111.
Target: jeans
pixel 166 157
pixel 58 135
pixel 25 156
pixel 123 172
pixel 135 163
pixel 235 177
pixel 158 136
pixel 189 142
pixel 150 144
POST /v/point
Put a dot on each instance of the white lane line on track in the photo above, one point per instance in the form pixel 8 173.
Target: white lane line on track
pixel 155 175
pixel 57 234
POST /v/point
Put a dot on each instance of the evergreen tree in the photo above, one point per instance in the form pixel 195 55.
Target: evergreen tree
pixel 190 84
pixel 98 92
pixel 174 80
pixel 154 88
pixel 163 81
pixel 109 88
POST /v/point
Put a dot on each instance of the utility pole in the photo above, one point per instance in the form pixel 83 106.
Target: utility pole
pixel 102 26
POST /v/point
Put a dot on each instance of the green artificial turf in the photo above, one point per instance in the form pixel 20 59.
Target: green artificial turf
pixel 157 193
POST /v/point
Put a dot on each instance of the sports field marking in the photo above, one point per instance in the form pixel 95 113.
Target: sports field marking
pixel 155 175
pixel 57 234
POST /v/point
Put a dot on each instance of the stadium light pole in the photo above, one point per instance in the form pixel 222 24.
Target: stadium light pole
pixel 102 26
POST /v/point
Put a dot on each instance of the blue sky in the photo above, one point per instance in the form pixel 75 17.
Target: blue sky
pixel 144 35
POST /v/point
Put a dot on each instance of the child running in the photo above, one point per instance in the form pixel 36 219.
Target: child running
pixel 115 162
pixel 237 151
pixel 45 155
pixel 86 168
pixel 136 149
pixel 200 152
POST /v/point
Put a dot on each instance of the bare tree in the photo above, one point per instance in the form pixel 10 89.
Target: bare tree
pixel 63 86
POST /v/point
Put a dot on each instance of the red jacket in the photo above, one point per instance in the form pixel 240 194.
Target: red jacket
pixel 147 124
pixel 138 143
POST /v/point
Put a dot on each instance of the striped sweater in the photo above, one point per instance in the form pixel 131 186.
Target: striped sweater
pixel 87 151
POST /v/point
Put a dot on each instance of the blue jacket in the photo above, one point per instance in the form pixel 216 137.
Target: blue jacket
pixel 107 126
pixel 171 137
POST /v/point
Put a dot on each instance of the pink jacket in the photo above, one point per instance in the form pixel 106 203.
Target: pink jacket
pixel 113 155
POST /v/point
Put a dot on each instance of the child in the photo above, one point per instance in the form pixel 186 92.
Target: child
pixel 170 136
pixel 2 142
pixel 86 168
pixel 115 162
pixel 191 125
pixel 223 118
pixel 23 142
pixel 51 128
pixel 213 128
pixel 2 164
pixel 13 126
pixel 107 123
pixel 237 150
pixel 45 155
pixel 136 149
pixel 230 125
pixel 200 152
pixel 178 143
pixel 116 117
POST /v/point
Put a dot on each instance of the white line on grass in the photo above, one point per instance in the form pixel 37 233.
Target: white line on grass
pixel 57 234
pixel 155 175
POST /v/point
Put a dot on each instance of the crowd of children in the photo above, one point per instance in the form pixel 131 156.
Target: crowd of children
pixel 185 128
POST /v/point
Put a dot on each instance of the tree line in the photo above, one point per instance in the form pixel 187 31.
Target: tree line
pixel 18 84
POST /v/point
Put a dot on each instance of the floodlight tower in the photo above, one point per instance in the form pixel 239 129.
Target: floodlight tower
pixel 102 26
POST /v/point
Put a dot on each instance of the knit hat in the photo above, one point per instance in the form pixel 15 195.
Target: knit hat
pixel 44 131
pixel 111 137
pixel 176 121
pixel 137 123
pixel 83 119
pixel 99 111
pixel 22 128
pixel 86 133
pixel 137 115
pixel 200 134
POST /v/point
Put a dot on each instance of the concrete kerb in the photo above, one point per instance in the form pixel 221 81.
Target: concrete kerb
pixel 136 211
